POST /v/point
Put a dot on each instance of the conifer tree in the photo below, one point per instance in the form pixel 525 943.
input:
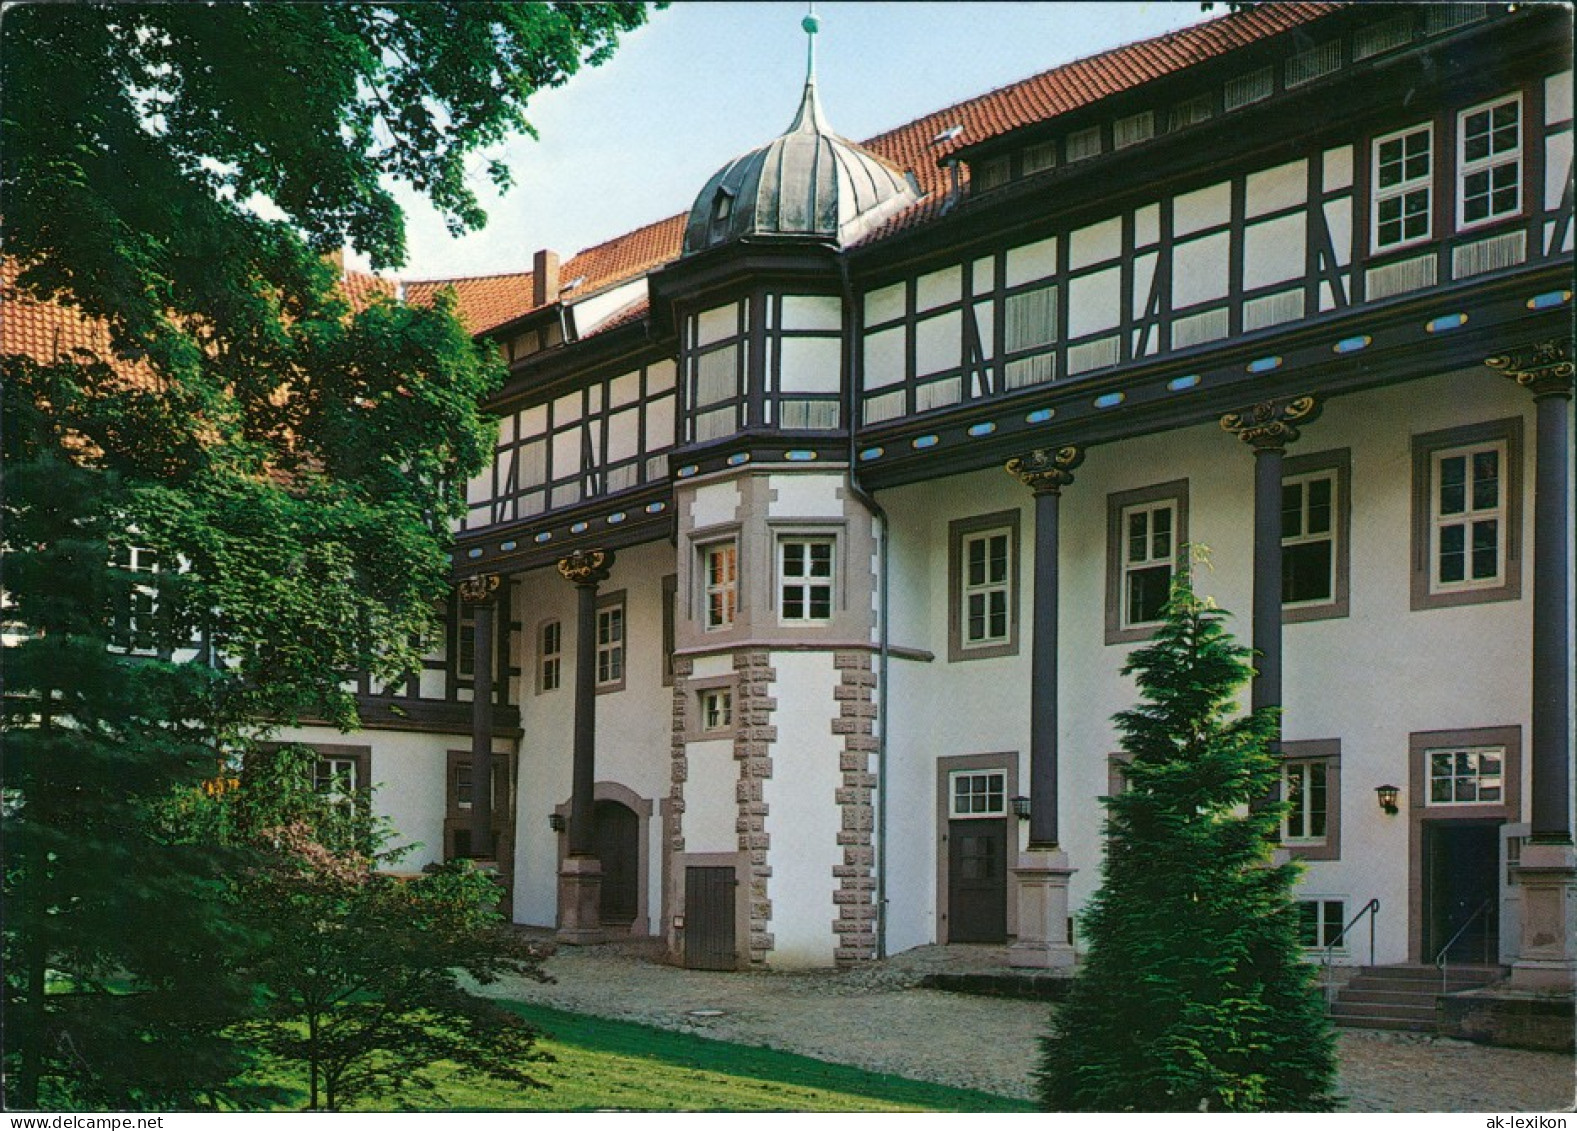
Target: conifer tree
pixel 1193 995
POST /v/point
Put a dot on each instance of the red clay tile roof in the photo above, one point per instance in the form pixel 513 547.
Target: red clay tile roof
pixel 360 288
pixel 492 300
pixel 47 332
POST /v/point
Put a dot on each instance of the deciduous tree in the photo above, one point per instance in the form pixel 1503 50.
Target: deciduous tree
pixel 177 173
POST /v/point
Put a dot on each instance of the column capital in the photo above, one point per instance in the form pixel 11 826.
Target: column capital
pixel 479 588
pixel 1543 368
pixel 1046 471
pixel 1272 425
pixel 586 567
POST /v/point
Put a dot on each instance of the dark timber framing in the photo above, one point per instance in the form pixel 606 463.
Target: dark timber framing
pixel 586 571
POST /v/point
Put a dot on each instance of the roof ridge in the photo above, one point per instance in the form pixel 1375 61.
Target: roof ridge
pixel 464 278
pixel 1296 7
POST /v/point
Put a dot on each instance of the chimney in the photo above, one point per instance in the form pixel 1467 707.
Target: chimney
pixel 544 277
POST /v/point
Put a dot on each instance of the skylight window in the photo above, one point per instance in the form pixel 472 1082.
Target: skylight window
pixel 947 135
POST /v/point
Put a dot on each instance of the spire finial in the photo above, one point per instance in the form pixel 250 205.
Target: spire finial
pixel 812 25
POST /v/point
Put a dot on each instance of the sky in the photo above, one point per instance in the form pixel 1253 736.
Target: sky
pixel 634 140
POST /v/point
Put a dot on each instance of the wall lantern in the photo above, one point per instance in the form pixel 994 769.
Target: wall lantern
pixel 1021 808
pixel 1387 797
pixel 556 822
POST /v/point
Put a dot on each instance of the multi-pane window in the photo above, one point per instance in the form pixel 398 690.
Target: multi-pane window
pixel 1308 538
pixel 1305 785
pixel 717 709
pixel 335 778
pixel 805 579
pixel 978 793
pixel 1489 162
pixel 1403 175
pixel 987 588
pixel 1320 922
pixel 610 645
pixel 720 570
pixel 134 617
pixel 1468 517
pixel 550 656
pixel 1470 775
pixel 1148 550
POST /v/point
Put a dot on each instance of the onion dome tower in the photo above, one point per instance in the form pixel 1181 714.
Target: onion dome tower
pixel 808 184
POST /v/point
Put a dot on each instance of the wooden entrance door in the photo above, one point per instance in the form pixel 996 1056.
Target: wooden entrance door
pixel 709 918
pixel 977 880
pixel 616 838
pixel 1461 875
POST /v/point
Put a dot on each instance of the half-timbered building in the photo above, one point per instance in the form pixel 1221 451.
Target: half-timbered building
pixel 789 619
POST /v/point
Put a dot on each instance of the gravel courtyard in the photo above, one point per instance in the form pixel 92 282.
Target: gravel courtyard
pixel 877 1019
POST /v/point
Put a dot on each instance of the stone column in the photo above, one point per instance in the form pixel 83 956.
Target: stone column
pixel 580 879
pixel 1268 428
pixel 1042 872
pixel 479 593
pixel 1547 952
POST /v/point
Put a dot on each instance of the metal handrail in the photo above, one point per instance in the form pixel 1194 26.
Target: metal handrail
pixel 1440 955
pixel 1371 909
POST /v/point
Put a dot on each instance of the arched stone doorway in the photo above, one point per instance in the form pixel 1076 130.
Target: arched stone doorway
pixel 617 837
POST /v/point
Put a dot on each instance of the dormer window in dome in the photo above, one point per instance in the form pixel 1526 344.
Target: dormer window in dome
pixel 722 209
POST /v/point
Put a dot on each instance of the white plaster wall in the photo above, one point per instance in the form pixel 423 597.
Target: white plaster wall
pixel 805 495
pixel 634 724
pixel 1369 679
pixel 409 772
pixel 803 818
pixel 710 800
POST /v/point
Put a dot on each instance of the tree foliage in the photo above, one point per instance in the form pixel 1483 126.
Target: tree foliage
pixel 360 972
pixel 1194 995
pixel 292 458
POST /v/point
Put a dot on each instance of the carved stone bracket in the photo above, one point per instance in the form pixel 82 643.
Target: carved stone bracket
pixel 587 567
pixel 479 589
pixel 1044 470
pixel 1272 424
pixel 1543 368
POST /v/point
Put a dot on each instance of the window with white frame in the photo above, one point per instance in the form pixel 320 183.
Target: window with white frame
pixel 550 656
pixel 1308 538
pixel 1468 517
pixel 1320 922
pixel 987 588
pixel 610 645
pixel 1489 162
pixel 134 628
pixel 1469 775
pixel 1146 530
pixel 1403 187
pixel 805 579
pixel 1148 551
pixel 1305 787
pixel 336 778
pixel 977 793
pixel 717 708
pixel 720 581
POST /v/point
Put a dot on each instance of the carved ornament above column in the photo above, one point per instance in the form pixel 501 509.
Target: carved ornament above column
pixel 479 588
pixel 1271 425
pixel 1046 470
pixel 587 567
pixel 1543 368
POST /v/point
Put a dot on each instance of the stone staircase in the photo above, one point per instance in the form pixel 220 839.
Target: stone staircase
pixel 1403 997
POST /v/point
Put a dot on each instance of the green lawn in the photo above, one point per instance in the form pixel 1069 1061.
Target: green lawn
pixel 615 1065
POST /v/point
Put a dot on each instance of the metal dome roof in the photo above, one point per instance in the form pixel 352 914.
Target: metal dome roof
pixel 807 184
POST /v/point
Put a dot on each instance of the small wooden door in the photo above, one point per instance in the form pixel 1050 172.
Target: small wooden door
pixel 616 838
pixel 1461 890
pixel 709 918
pixel 977 880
